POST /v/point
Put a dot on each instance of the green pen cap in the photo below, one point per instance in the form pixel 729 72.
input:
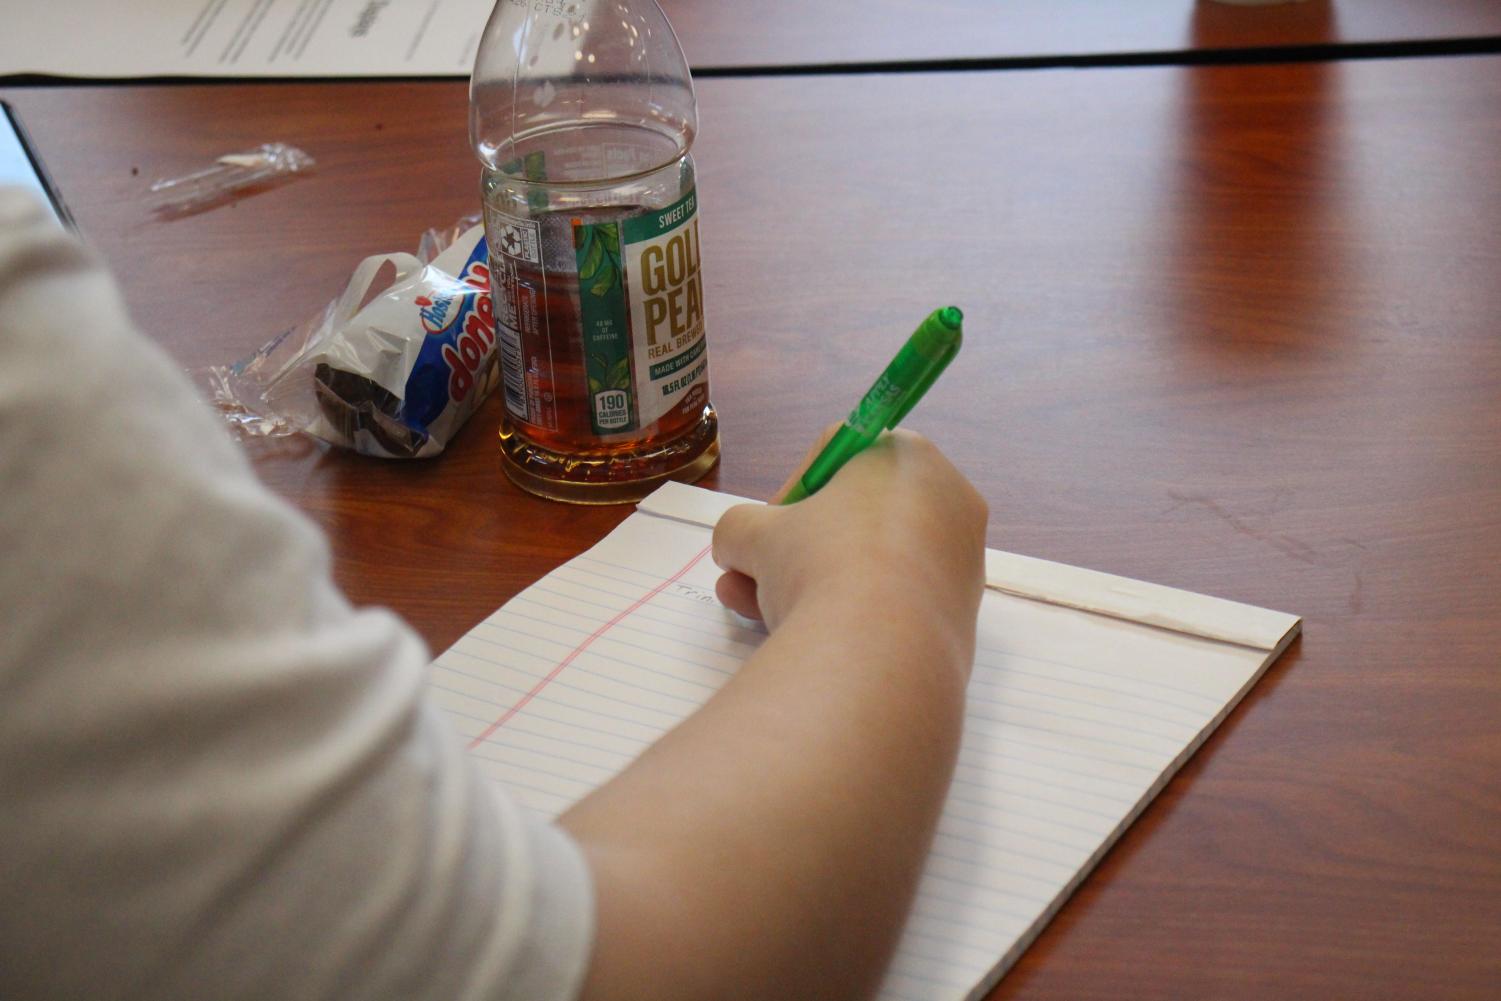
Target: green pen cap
pixel 937 339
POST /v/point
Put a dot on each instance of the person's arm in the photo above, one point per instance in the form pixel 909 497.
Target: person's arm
pixel 217 779
pixel 770 845
pixel 221 781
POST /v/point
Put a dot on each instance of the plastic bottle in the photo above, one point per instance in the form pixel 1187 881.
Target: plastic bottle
pixel 583 114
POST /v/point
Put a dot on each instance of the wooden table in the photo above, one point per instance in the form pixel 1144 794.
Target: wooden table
pixel 788 33
pixel 1231 329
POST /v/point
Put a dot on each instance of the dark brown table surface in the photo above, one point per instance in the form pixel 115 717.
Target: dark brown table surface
pixel 794 33
pixel 1231 329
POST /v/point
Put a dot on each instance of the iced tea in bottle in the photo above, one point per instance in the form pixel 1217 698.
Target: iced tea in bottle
pixel 582 113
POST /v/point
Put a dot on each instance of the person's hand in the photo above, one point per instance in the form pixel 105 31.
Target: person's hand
pixel 897 533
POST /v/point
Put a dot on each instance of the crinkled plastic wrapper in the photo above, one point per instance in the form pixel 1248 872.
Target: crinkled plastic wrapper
pixel 392 368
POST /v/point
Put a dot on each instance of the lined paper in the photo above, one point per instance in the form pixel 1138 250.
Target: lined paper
pixel 1075 718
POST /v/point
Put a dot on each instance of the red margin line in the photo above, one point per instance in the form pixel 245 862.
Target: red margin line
pixel 574 653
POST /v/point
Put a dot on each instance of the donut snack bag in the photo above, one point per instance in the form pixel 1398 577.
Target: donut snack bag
pixel 392 368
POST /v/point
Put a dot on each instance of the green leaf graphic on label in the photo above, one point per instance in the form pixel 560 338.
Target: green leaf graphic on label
pixel 592 260
pixel 602 314
pixel 598 249
pixel 620 374
pixel 609 280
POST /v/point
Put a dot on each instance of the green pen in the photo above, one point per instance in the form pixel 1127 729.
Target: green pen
pixel 916 366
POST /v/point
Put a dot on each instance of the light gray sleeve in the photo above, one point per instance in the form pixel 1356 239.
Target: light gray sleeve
pixel 217 780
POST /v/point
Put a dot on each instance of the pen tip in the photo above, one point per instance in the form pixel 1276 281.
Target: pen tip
pixel 951 317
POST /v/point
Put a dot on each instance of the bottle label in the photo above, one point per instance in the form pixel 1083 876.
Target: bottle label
pixel 517 244
pixel 604 326
pixel 641 307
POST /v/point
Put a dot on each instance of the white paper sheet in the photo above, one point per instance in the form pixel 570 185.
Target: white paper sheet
pixel 247 38
pixel 1075 718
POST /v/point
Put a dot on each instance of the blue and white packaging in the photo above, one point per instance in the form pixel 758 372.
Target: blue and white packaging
pixel 393 368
